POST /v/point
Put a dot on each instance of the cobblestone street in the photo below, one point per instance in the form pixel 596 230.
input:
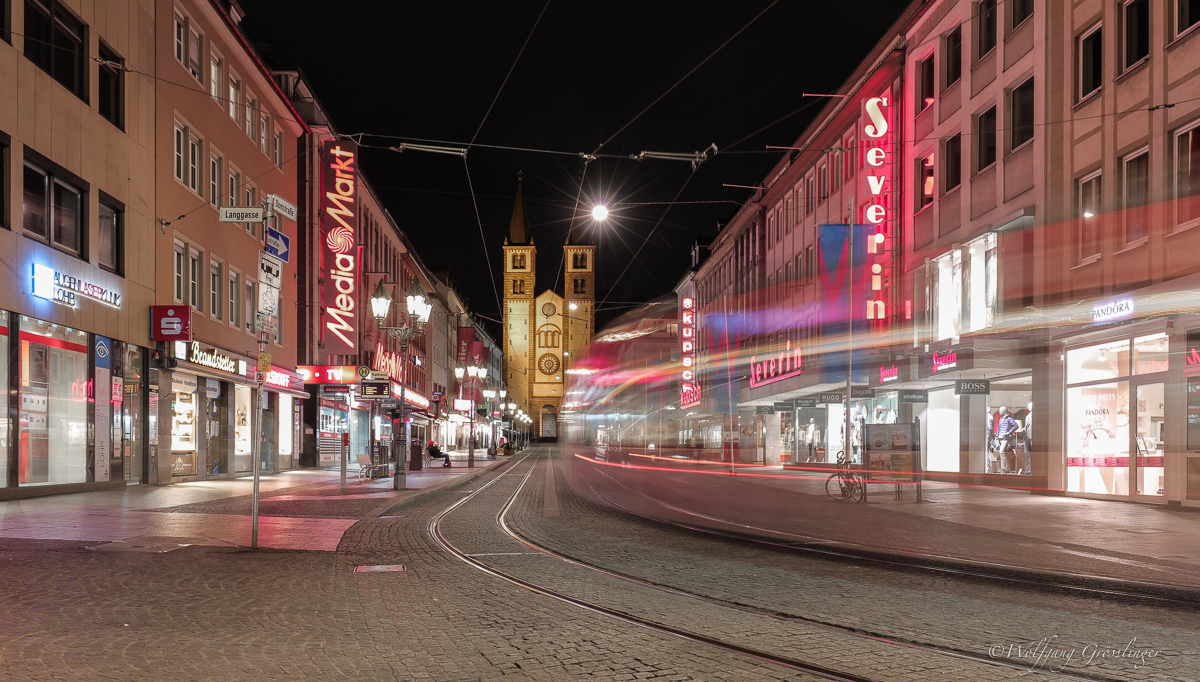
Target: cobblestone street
pixel 80 609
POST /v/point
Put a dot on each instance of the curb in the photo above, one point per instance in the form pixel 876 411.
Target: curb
pixel 432 493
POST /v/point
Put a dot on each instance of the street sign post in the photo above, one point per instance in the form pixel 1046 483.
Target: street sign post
pixel 238 214
pixel 270 270
pixel 279 245
pixel 268 300
pixel 264 362
pixel 283 207
pixel 266 323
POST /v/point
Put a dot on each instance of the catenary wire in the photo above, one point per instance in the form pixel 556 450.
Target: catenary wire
pixel 507 75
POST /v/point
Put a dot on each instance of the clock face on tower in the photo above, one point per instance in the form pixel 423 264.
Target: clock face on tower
pixel 548 309
pixel 548 363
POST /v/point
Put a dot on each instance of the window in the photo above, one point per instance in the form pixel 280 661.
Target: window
pixel 249 117
pixel 179 275
pixel 110 237
pixel 811 257
pixel 926 182
pixel 835 177
pixel 214 75
pixel 985 20
pixel 1136 17
pixel 193 171
pixel 180 153
pixel 812 195
pixel 1022 114
pixel 954 56
pixel 54 41
pixel 823 178
pixel 1090 68
pixel 952 160
pixel 924 83
pixel 248 311
pixel 234 183
pixel 263 135
pixel 1187 16
pixel 214 180
pixel 985 136
pixel 787 228
pixel 1089 216
pixel 233 289
pixel 52 210
pixel 1137 192
pixel 214 288
pixel 235 87
pixel 799 203
pixel 1021 10
pixel 194 53
pixel 851 154
pixel 180 37
pixel 112 86
pixel 277 149
pixel 1187 175
pixel 194 262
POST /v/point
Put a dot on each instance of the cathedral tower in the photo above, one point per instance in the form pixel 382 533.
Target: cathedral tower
pixel 543 331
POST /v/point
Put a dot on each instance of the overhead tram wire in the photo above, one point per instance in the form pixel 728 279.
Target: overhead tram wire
pixel 479 221
pixel 509 74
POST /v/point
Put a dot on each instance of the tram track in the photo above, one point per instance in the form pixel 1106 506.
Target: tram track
pixel 476 560
pixel 1101 587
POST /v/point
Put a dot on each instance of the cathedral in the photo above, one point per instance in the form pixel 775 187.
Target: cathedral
pixel 544 331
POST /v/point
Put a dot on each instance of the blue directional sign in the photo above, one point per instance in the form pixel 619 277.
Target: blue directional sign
pixel 279 245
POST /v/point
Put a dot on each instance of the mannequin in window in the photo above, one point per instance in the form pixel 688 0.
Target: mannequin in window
pixel 812 436
pixel 987 442
pixel 1027 440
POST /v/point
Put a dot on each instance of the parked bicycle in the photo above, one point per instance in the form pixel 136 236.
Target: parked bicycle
pixel 845 484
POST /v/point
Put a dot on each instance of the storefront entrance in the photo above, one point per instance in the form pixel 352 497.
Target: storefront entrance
pixel 1116 417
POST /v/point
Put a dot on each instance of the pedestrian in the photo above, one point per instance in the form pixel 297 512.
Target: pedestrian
pixel 434 453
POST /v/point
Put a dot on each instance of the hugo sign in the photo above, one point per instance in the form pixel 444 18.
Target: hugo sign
pixel 339 227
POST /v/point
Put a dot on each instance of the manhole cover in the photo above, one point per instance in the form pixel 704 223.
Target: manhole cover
pixel 379 569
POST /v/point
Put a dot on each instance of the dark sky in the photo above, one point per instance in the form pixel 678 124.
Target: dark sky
pixel 430 70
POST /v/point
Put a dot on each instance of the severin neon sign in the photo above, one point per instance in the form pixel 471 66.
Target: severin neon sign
pixel 943 361
pixel 879 163
pixel 787 363
pixel 339 222
pixel 689 388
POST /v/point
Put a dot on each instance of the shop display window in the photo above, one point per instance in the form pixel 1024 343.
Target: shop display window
pixel 940 431
pixel 285 430
pixel 1193 413
pixel 1150 440
pixel 4 425
pixel 1098 438
pixel 1099 362
pixel 183 423
pixel 1150 354
pixel 54 394
pixel 243 458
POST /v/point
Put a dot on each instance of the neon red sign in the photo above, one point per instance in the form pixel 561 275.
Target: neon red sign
pixel 387 361
pixel 339 222
pixel 689 388
pixel 788 363
pixel 943 361
pixel 889 374
pixel 879 161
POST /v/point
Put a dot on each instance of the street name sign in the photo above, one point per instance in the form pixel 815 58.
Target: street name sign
pixel 238 214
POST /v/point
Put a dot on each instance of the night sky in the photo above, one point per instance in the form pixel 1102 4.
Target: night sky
pixel 430 70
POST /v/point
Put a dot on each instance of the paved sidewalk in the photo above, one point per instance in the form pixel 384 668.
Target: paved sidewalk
pixel 306 509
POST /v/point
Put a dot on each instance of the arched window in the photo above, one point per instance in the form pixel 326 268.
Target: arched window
pixel 516 286
pixel 582 261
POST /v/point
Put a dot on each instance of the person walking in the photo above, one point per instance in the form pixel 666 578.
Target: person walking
pixel 434 453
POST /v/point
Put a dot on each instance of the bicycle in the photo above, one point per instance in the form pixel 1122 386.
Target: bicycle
pixel 845 484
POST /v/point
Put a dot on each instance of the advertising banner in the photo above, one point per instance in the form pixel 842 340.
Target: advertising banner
pixel 844 282
pixel 891 449
pixel 103 413
pixel 338 210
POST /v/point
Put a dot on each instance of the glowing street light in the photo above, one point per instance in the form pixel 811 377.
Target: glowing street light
pixel 600 212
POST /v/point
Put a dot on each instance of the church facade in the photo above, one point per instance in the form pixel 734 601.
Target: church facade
pixel 543 331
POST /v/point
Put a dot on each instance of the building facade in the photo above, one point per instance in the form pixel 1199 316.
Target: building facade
pixel 78 219
pixel 225 138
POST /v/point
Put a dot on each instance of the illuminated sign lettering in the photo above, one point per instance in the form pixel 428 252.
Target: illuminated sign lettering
pixel 211 358
pixel 411 396
pixel 339 223
pixel 689 388
pixel 1112 311
pixel 325 374
pixel 387 361
pixel 944 361
pixel 276 378
pixel 53 285
pixel 889 374
pixel 777 367
pixel 880 164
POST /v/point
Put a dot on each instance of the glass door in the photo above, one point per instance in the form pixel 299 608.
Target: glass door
pixel 1148 466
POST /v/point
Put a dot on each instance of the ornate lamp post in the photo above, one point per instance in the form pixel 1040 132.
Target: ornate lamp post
pixel 475 376
pixel 419 309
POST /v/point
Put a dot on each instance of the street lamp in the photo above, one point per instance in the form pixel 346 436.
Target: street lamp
pixel 419 309
pixel 475 376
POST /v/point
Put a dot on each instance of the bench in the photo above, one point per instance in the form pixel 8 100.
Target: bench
pixel 368 469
